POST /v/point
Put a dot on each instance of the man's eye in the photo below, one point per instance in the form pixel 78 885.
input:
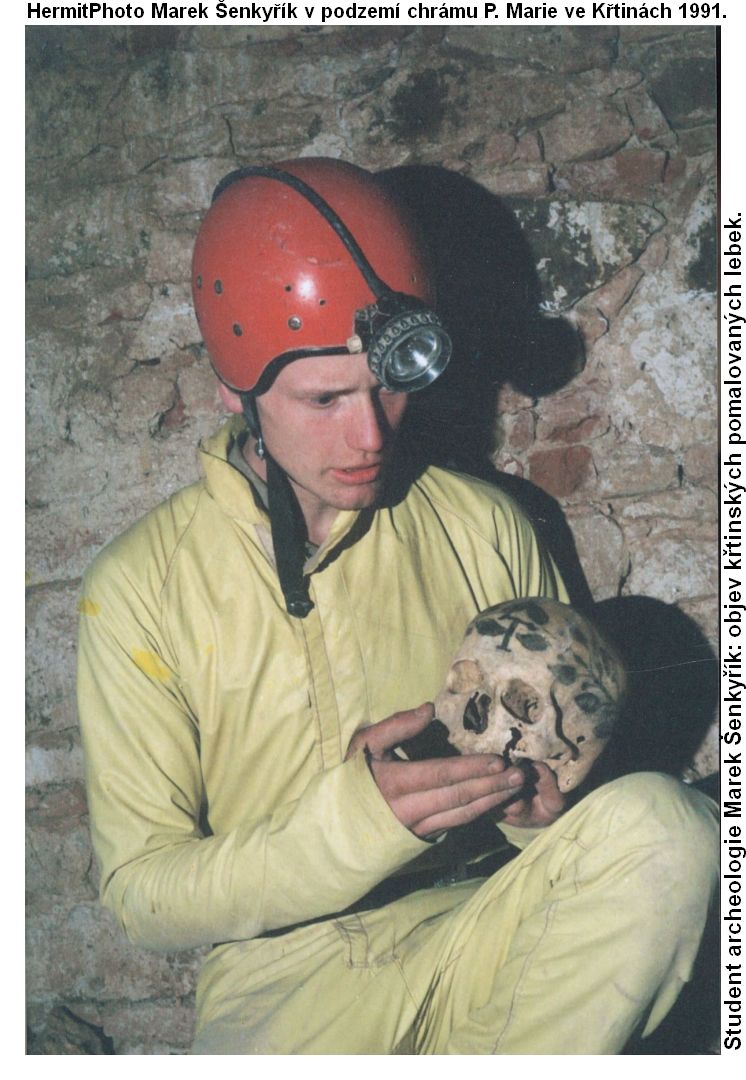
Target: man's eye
pixel 324 399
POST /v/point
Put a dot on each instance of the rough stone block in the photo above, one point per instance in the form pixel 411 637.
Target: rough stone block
pixel 169 257
pixel 499 149
pixel 584 131
pixel 516 433
pixel 696 141
pixel 578 246
pixel 63 1032
pixel 160 1026
pixel 530 181
pixel 633 174
pixel 661 350
pixel 561 471
pixel 651 127
pixel 58 864
pixel 626 469
pixel 672 537
pixel 198 386
pixel 700 465
pixel 672 567
pixel 80 954
pixel 51 634
pixel 169 321
pixel 601 549
pixel 77 233
pixel 595 312
pixel 564 49
pixel 575 414
pixel 63 543
pixel 87 299
pixel 686 91
pixel 54 757
pixel 186 188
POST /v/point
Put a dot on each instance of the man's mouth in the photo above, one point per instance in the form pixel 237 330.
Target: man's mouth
pixel 358 475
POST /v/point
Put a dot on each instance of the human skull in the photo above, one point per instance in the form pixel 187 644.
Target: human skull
pixel 533 679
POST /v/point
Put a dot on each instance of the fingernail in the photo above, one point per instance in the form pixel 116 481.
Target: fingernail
pixel 514 778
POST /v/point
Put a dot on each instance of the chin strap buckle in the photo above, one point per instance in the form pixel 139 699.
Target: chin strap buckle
pixel 298 606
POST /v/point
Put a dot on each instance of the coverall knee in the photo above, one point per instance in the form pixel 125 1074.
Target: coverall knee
pixel 582 940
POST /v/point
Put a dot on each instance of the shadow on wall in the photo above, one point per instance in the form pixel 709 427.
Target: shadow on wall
pixel 672 687
pixel 489 297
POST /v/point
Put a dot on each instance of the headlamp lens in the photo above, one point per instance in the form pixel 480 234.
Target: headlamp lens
pixel 414 355
pixel 409 351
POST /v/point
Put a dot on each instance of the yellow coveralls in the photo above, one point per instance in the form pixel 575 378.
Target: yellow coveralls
pixel 215 728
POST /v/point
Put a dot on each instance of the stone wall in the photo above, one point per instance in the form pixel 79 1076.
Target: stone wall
pixel 601 145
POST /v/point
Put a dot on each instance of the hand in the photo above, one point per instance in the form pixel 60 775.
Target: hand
pixel 541 802
pixel 432 796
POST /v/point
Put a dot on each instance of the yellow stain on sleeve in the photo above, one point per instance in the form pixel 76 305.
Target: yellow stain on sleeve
pixel 151 665
pixel 89 607
pixel 210 649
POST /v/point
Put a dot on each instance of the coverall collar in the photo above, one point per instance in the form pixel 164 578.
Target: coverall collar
pixel 238 499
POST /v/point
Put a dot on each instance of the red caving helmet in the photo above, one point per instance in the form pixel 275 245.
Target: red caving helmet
pixel 308 257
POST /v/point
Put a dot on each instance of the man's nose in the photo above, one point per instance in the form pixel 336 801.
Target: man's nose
pixel 368 428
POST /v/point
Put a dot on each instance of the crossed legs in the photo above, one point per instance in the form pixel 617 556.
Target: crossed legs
pixel 583 940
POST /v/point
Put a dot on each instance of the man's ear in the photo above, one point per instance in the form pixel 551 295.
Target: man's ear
pixel 230 399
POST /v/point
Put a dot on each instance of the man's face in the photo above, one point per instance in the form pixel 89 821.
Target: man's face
pixel 330 425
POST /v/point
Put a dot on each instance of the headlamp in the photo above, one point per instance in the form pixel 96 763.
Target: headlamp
pixel 407 344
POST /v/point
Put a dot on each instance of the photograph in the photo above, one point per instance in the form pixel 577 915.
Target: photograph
pixel 372 534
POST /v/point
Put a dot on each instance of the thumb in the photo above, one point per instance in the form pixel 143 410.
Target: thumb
pixel 379 739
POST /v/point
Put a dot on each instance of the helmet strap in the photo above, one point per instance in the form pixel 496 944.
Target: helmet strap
pixel 251 416
pixel 286 521
pixel 288 531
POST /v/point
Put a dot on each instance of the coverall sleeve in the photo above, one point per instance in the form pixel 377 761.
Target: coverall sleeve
pixel 169 883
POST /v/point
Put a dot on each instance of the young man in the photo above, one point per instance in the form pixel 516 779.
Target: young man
pixel 254 651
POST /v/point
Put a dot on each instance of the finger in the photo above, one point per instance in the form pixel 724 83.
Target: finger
pixel 396 778
pixel 533 816
pixel 462 815
pixel 455 799
pixel 516 813
pixel 547 788
pixel 386 734
pixel 540 805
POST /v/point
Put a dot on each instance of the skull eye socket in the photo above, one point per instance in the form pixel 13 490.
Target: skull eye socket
pixel 465 677
pixel 521 701
pixel 476 713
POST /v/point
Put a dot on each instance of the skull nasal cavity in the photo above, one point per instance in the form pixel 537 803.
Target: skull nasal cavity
pixel 476 713
pixel 521 700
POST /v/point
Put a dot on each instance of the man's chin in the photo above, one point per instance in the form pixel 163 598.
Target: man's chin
pixel 356 496
pixel 360 498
